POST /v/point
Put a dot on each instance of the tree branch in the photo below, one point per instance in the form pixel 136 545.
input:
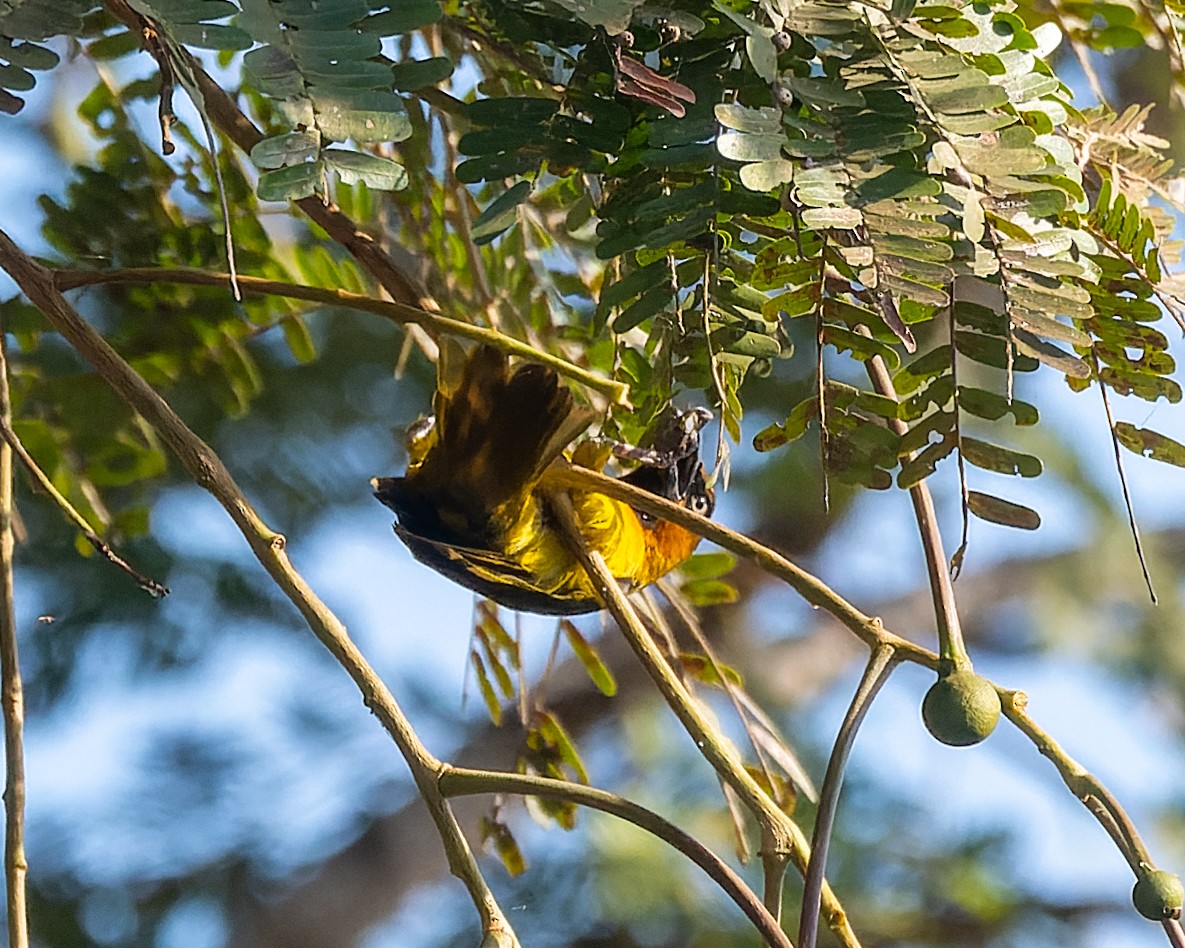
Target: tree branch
pixel 880 665
pixel 208 471
pixel 456 781
pixel 946 613
pixel 616 392
pixel 11 698
pixel 868 628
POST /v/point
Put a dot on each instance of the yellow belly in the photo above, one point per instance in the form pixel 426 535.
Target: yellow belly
pixel 633 552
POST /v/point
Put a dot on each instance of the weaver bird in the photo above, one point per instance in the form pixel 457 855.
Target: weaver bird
pixel 470 505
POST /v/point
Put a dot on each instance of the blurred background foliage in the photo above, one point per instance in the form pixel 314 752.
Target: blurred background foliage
pixel 202 774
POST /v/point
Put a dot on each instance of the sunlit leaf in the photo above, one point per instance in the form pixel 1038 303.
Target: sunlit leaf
pixel 597 670
pixel 1152 444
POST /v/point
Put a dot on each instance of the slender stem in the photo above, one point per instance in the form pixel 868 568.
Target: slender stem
pixel 880 665
pixel 401 313
pixel 149 585
pixel 784 835
pixel 1127 497
pixel 456 781
pixel 1172 929
pixel 208 471
pixel 1081 782
pixel 942 590
pixel 11 699
pixel 813 590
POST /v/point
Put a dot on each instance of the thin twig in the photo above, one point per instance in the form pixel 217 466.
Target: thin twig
pixel 456 781
pixel 946 614
pixel 12 699
pixel 401 313
pixel 208 472
pixel 149 585
pixel 1081 782
pixel 1127 497
pixel 880 665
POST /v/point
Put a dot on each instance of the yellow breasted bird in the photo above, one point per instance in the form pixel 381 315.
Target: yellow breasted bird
pixel 469 504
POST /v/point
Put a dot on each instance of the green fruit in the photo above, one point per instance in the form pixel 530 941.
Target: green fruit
pixel 961 708
pixel 1159 895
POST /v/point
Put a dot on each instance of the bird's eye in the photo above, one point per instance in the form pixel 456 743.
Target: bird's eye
pixel 700 504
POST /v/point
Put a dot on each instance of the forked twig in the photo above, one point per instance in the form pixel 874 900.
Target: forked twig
pixel 149 585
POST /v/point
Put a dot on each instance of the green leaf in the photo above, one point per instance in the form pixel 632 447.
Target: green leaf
pixel 709 592
pixel 556 737
pixel 860 346
pixel 211 36
pixel 300 342
pixel 420 73
pixel 703 669
pixel 485 686
pixel 29 55
pixel 355 167
pixel 766 175
pixel 993 407
pixel 613 15
pixel 760 121
pixel 403 17
pixel 708 565
pixel 281 151
pixel 923 464
pixel 1050 354
pixel 511 111
pixel 649 304
pixel 993 457
pixel 922 368
pixel 997 510
pixel 748 146
pixel 593 665
pixel 291 184
pixel 501 214
pixel 990 350
pixel 365 117
pixel 497 834
pixel 1152 444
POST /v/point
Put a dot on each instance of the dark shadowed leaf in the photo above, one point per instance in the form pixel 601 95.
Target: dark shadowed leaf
pixel 1004 512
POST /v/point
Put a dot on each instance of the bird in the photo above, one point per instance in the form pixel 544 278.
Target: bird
pixel 470 505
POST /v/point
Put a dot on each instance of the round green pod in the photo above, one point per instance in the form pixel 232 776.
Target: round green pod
pixel 961 708
pixel 1159 895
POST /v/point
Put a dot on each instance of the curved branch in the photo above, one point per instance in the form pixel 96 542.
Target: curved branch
pixel 616 392
pixel 880 665
pixel 457 781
